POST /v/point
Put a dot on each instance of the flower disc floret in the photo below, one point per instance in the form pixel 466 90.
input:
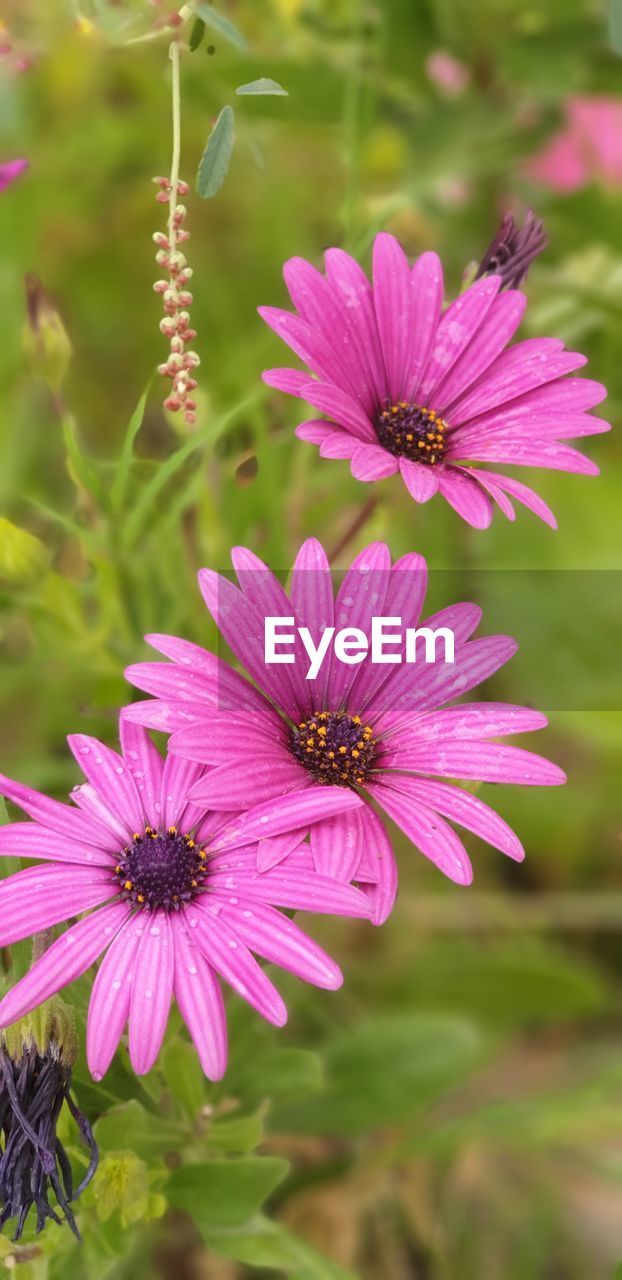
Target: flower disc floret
pixel 337 748
pixel 161 870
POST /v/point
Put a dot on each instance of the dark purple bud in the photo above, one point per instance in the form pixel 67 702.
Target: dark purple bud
pixel 513 250
pixel 34 1084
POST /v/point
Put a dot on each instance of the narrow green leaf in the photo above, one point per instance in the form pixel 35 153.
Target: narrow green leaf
pixel 143 507
pixel 262 86
pixel 119 484
pixel 82 471
pixel 615 24
pixel 217 155
pixel 224 1193
pixel 224 26
pixel 196 35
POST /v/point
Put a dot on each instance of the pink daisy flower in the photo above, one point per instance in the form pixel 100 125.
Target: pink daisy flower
pixel 405 386
pixel 10 171
pixel 384 732
pixel 179 901
pixel 586 149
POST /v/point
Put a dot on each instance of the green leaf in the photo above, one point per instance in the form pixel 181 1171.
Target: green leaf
pixel 262 86
pixel 224 26
pixel 279 1074
pixel 615 24
pixel 129 1125
pixel 224 1193
pixel 22 556
pixel 262 1243
pixel 184 1077
pixel 196 35
pixel 383 1071
pixel 119 484
pixel 236 1134
pixel 216 158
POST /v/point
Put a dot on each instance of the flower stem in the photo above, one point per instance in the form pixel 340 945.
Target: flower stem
pixel 365 514
pixel 176 102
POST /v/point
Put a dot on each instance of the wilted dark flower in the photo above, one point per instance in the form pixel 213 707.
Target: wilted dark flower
pixel 35 1081
pixel 513 250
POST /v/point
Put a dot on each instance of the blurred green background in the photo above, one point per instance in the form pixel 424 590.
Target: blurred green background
pixel 454 1113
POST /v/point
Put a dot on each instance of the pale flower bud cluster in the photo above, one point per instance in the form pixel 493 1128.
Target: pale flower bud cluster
pixel 176 300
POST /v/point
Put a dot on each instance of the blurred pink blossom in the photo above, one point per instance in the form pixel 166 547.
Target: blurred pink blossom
pixel 10 171
pixel 445 72
pixel 587 148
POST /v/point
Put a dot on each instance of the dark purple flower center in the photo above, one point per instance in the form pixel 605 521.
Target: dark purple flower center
pixel 411 431
pixel 336 748
pixel 161 870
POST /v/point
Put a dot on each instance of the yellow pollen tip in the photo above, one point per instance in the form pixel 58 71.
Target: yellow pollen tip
pixel 128 884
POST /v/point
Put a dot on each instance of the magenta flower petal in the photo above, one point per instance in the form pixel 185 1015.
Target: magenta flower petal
pixel 522 493
pixel 498 328
pixel 295 890
pixel 370 462
pixel 271 777
pixel 393 304
pixel 336 845
pixel 152 989
pixel 468 811
pixel 27 840
pixel 323 309
pixel 67 959
pixel 340 408
pixel 377 869
pixel 294 810
pixel 271 935
pixel 228 956
pixel 290 380
pixel 107 772
pixel 427 290
pixel 421 482
pixel 427 830
pixel 90 802
pixel 109 1007
pixel 484 761
pixel 145 765
pixel 457 329
pixel 275 849
pixel 36 899
pixel 348 278
pixel 407 387
pixel 50 813
pixel 198 994
pixel 466 497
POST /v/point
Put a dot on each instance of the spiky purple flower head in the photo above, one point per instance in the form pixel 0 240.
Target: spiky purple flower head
pixel 408 387
pixel 513 250
pixel 36 1059
pixel 175 898
pixel 385 733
